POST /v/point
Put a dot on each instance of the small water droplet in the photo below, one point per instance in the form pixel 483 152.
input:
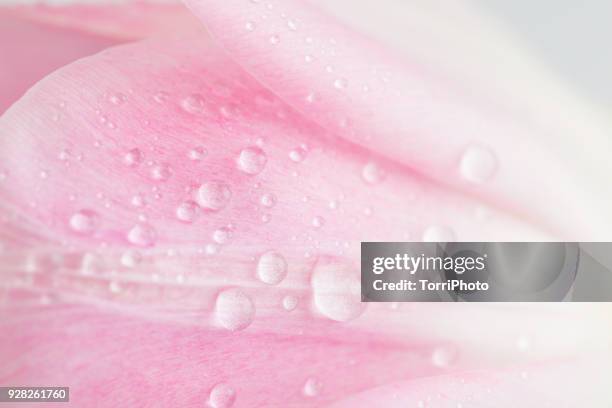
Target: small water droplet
pixel 438 233
pixel 271 268
pixel 161 97
pixel 318 221
pixel 234 309
pixel 137 201
pixel 161 172
pixel 117 98
pixel 142 235
pixel 43 174
pixel 372 173
pixel 311 97
pixel 222 235
pixel 308 58
pixel 443 356
pixel 197 153
pixel 340 83
pixel 298 154
pixel 130 259
pixel 132 158
pixel 478 164
pixel 252 160
pixel 193 104
pixel 84 221
pixel 250 26
pixel 274 39
pixel 292 24
pixel 187 211
pixel 222 395
pixel 312 387
pixel 213 195
pixel 290 302
pixel 268 200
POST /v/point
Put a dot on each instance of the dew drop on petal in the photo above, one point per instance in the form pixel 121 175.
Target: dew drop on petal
pixel 161 172
pixel 187 211
pixel 222 395
pixel 222 235
pixel 443 356
pixel 292 25
pixel 271 268
pixel 197 153
pixel 340 83
pixel 84 221
pixel 142 235
pixel 478 164
pixel 290 302
pixel 250 26
pixel 193 104
pixel 268 200
pixel 213 195
pixel 130 259
pixel 372 173
pixel 312 387
pixel 234 309
pixel 438 233
pixel 160 97
pixel 252 160
pixel 318 221
pixel 117 98
pixel 274 39
pixel 336 291
pixel 132 158
pixel 298 154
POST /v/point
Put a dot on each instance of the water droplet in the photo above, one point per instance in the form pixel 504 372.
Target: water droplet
pixel 336 290
pixel 478 164
pixel 340 83
pixel 138 201
pixel 292 24
pixel 117 98
pixel 213 195
pixel 160 97
pixel 222 235
pixel 290 302
pixel 211 249
pixel 193 104
pixel 318 221
pixel 161 172
pixel 234 309
pixel 132 158
pixel 372 173
pixel 197 153
pixel 84 221
pixel 222 395
pixel 523 343
pixel 43 174
pixel 271 268
pixel 187 211
pixel 274 39
pixel 298 154
pixel 252 160
pixel 130 259
pixel 311 97
pixel 142 235
pixel 438 233
pixel 443 356
pixel 3 175
pixel 250 26
pixel 308 58
pixel 312 387
pixel 268 200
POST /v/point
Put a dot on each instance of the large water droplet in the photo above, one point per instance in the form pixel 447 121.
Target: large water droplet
pixel 252 160
pixel 187 211
pixel 271 268
pixel 142 235
pixel 84 221
pixel 372 173
pixel 438 233
pixel 478 164
pixel 336 290
pixel 234 309
pixel 312 387
pixel 213 195
pixel 193 104
pixel 222 395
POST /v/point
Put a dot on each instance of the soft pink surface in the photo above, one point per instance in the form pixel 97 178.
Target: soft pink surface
pixel 152 334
